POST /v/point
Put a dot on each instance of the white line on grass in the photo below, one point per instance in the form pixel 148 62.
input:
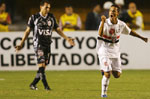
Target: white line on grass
pixel 1 79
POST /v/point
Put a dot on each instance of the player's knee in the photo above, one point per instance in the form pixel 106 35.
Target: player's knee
pixel 116 74
pixel 41 70
pixel 107 74
pixel 41 60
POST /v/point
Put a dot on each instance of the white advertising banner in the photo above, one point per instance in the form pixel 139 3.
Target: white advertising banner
pixel 135 53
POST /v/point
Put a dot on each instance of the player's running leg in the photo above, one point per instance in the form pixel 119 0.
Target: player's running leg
pixel 116 67
pixel 40 75
pixel 35 81
pixel 105 83
pixel 106 71
pixel 43 78
pixel 41 59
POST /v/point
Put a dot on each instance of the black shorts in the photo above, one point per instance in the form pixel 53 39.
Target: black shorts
pixel 43 54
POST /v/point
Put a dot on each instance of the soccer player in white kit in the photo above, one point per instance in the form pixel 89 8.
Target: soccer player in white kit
pixel 108 46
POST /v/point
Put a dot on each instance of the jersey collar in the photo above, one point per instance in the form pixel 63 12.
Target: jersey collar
pixel 43 16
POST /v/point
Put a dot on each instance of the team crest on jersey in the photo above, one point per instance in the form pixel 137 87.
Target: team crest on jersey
pixel 49 23
pixel 112 31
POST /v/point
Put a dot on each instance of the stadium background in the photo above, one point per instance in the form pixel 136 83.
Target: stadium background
pixel 20 10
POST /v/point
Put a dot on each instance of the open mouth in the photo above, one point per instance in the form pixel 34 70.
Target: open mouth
pixel 112 15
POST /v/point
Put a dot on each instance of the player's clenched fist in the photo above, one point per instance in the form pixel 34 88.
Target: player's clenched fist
pixel 103 18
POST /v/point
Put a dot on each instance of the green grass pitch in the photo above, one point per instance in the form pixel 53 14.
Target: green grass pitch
pixel 133 84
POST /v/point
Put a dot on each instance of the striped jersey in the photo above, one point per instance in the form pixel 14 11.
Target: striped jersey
pixel 112 33
pixel 42 27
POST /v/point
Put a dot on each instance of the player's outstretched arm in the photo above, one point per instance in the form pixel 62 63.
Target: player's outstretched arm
pixel 100 31
pixel 70 40
pixel 26 34
pixel 133 33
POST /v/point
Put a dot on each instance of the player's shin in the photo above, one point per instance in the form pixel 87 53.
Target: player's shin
pixel 105 83
pixel 43 78
pixel 36 79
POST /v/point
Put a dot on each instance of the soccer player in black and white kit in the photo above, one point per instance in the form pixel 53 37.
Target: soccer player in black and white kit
pixel 42 25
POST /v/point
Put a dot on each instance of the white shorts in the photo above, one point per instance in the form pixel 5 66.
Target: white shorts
pixel 110 64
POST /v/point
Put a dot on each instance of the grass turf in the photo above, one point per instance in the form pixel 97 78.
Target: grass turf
pixel 133 84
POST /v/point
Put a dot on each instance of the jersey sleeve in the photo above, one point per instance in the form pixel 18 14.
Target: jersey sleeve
pixel 31 22
pixel 55 23
pixel 126 30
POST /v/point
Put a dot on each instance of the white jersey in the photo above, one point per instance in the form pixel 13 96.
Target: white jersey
pixel 112 33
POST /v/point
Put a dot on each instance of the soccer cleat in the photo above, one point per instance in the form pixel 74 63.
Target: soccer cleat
pixel 47 88
pixel 104 96
pixel 33 87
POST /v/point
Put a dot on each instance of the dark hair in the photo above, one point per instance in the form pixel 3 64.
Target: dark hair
pixel 116 6
pixel 44 1
pixel 94 5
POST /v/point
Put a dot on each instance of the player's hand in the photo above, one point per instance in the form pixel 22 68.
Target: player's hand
pixel 145 39
pixel 18 48
pixel 71 41
pixel 103 18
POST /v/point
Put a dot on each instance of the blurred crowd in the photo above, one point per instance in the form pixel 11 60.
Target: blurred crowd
pixel 5 19
pixel 71 21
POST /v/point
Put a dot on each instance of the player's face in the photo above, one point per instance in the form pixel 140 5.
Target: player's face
pixel 69 10
pixel 45 8
pixel 113 12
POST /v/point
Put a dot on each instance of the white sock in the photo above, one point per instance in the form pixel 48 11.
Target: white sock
pixel 105 83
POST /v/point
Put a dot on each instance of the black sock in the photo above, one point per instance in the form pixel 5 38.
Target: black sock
pixel 36 79
pixel 43 76
pixel 44 81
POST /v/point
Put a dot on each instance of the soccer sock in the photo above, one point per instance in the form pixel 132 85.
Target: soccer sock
pixel 36 79
pixel 105 83
pixel 43 76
